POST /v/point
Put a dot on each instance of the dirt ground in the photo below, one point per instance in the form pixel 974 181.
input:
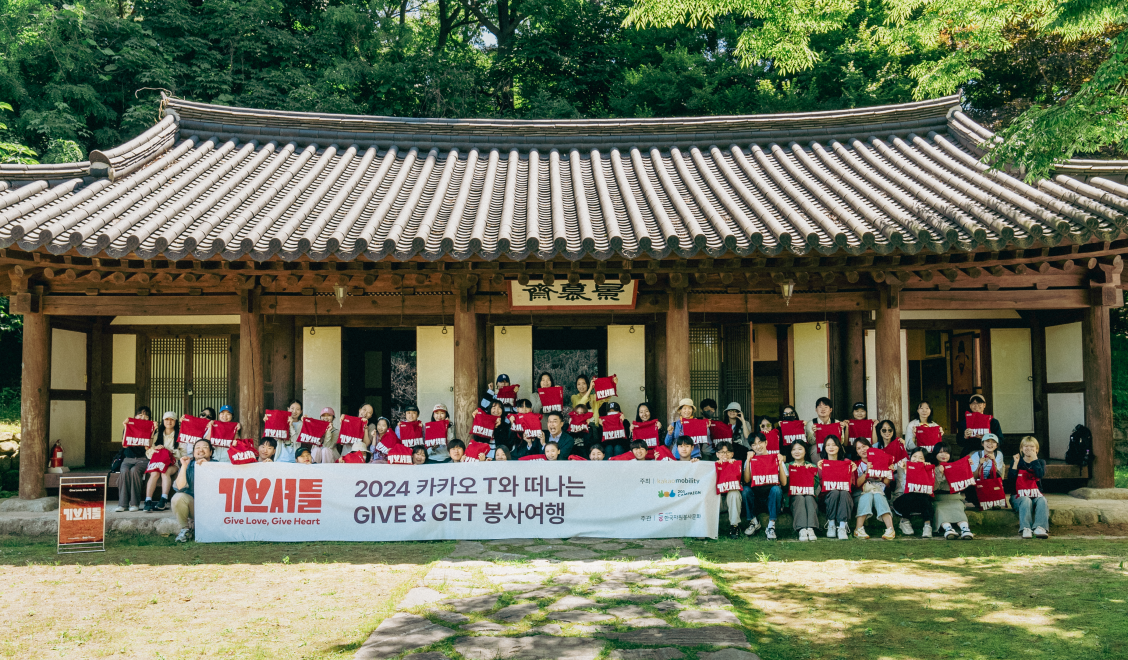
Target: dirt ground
pixel 229 601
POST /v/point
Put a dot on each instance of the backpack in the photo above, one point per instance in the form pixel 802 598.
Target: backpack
pixel 1080 450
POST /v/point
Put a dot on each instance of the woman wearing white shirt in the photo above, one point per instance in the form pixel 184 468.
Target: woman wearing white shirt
pixel 923 418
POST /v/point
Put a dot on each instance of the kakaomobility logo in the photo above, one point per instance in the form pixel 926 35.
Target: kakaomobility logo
pixel 680 493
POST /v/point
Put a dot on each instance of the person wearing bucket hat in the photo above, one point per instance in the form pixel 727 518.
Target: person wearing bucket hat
pixel 968 440
pixel 741 430
pixel 327 452
pixel 685 410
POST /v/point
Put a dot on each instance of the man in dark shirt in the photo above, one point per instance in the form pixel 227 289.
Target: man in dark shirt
pixel 969 441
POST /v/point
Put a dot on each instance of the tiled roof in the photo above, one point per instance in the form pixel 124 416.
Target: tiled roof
pixel 212 180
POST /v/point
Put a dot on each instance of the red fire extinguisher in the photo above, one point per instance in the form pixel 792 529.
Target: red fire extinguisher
pixel 57 455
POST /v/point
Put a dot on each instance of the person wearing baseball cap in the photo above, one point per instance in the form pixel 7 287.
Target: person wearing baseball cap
pixel 441 453
pixel 491 392
pixel 967 439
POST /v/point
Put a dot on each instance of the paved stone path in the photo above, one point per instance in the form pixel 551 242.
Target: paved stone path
pixel 572 599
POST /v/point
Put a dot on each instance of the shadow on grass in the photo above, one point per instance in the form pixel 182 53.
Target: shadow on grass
pixel 902 600
pixel 165 551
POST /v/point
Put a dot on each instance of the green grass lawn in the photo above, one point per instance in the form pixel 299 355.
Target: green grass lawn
pixel 901 600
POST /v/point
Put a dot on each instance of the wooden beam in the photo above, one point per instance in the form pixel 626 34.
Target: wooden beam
pixel 34 397
pixel 773 303
pixel 1004 299
pixel 251 368
pixel 677 350
pixel 888 359
pixel 1096 360
pixel 139 305
pixel 466 363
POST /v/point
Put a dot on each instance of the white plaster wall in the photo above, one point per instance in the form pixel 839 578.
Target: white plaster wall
pixel 513 355
pixel 1065 411
pixel 321 370
pixel 68 360
pixel 121 407
pixel 434 359
pixel 626 358
pixel 1012 390
pixel 1063 353
pixel 68 424
pixel 812 365
pixel 125 359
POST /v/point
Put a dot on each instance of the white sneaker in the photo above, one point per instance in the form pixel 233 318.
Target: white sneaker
pixel 182 537
pixel 906 527
pixel 119 509
pixel 966 535
pixel 889 534
pixel 134 508
pixel 753 527
pixel 802 534
pixel 843 533
pixel 1040 532
pixel 1026 534
pixel 860 533
pixel 949 532
pixel 812 535
pixel 926 533
pixel 771 533
pixel 830 529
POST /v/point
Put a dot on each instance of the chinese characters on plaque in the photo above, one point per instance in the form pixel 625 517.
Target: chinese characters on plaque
pixel 612 294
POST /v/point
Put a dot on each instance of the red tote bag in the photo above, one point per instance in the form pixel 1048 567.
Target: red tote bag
pixel 660 453
pixel 646 431
pixel 160 462
pixel 836 475
pixel 476 451
pixel 192 429
pixel 533 457
pixel 773 441
pixel 721 432
pixel 604 387
pixel 138 432
pixel 530 424
pixel 728 476
pixel 435 433
pixel 959 475
pixel 625 456
pixel 398 455
pixel 277 424
pixel 508 394
pixel 1026 485
pixel 801 479
pixel 821 433
pixel 793 430
pixel 978 423
pixel 990 492
pixel 223 434
pixel 484 424
pixel 551 398
pixel 613 427
pixel 352 430
pixel 880 464
pixel 388 441
pixel 411 433
pixel 697 429
pixel 896 450
pixel 313 431
pixel 929 436
pixel 243 452
pixel 920 478
pixel 860 428
pixel 578 422
pixel 764 470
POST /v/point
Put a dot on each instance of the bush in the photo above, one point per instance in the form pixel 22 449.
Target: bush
pixel 10 405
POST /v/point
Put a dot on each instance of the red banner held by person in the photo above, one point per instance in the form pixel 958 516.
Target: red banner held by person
pixel 646 431
pixel 551 398
pixel 192 429
pixel 959 475
pixel 277 424
pixel 920 478
pixel 138 432
pixel 313 431
pixel 578 422
pixel 792 430
pixel 411 433
pixel 352 430
pixel 613 427
pixel 435 433
pixel 764 470
pixel 801 479
pixel 484 424
pixel 605 387
pixel 835 475
pixel 223 433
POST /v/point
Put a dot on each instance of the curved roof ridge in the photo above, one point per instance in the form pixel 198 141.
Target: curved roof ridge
pixel 192 111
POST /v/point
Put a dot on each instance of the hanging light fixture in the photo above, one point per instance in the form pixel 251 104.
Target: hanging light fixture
pixel 787 289
pixel 340 292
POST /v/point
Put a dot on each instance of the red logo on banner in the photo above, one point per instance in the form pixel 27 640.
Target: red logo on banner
pixel 271 496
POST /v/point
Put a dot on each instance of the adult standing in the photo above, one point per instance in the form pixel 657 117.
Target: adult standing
pixel 184 500
pixel 969 439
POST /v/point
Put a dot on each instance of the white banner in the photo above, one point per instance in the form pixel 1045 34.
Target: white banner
pixel 488 500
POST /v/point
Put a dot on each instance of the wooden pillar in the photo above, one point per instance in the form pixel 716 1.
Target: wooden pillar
pixel 1097 368
pixel 677 351
pixel 783 356
pixel 1038 373
pixel 888 359
pixel 283 362
pixel 750 414
pixel 466 362
pixel 34 395
pixel 855 357
pixel 250 367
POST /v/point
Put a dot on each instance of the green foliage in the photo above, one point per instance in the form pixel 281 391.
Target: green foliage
pixel 10 405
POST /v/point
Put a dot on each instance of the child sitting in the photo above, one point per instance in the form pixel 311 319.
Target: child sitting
pixel 949 507
pixel 907 503
pixel 551 451
pixel 728 484
pixel 639 449
pixel 767 496
pixel 457 450
pixel 870 496
pixel 266 449
pixel 1025 478
pixel 303 456
pixel 804 507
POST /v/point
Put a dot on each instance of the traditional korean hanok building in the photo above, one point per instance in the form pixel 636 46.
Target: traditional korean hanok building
pixel 232 255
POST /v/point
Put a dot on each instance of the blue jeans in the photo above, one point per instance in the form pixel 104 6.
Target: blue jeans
pixel 772 495
pixel 1024 505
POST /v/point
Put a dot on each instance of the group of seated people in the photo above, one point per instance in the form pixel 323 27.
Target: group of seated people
pixel 821 464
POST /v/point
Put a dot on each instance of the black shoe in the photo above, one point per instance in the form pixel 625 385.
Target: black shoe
pixel 162 505
pixel 148 506
pixel 734 533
